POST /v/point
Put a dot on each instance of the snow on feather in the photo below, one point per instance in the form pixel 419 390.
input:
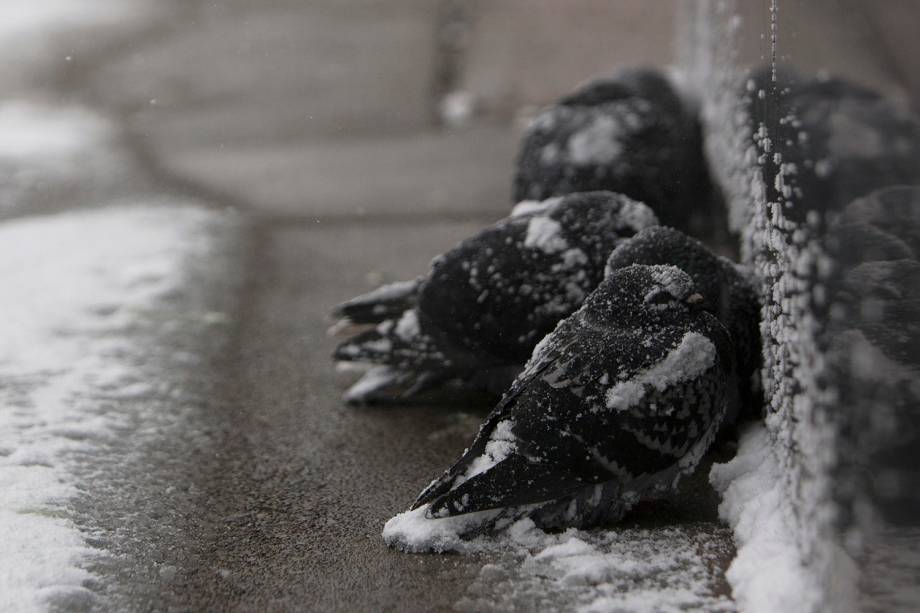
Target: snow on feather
pixel 694 355
pixel 545 234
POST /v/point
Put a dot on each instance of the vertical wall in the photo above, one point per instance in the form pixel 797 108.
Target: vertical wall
pixel 806 107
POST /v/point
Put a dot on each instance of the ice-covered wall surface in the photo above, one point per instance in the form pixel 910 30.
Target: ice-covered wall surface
pixel 793 149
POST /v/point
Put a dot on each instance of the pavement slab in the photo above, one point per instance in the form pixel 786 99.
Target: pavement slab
pixel 425 173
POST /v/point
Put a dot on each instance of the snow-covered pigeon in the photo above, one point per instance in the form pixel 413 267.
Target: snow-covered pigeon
pixel 477 315
pixel 630 134
pixel 831 141
pixel 727 292
pixel 615 405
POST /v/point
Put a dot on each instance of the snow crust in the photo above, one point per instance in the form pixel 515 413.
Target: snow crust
pixel 767 574
pixel 75 286
pixel 694 355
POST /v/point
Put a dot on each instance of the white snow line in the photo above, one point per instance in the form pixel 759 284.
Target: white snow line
pixel 77 288
pixel 694 355
pixel 767 574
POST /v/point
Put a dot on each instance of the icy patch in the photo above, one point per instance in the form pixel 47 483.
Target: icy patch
pixel 694 355
pixel 502 443
pixel 76 289
pixel 597 143
pixel 544 234
pixel 766 574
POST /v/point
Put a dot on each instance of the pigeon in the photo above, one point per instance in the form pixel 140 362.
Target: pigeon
pixel 484 305
pixel 895 212
pixel 630 134
pixel 614 406
pixel 728 292
pixel 831 141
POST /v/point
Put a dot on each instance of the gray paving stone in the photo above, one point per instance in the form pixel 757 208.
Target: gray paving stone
pixel 232 72
pixel 421 173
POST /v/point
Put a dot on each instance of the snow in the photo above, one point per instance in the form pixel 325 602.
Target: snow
pixel 502 443
pixel 767 574
pixel 526 207
pixel 26 17
pixel 544 233
pixel 597 143
pixel 636 215
pixel 75 286
pixel 372 380
pixel 621 569
pixel 407 327
pixel 414 532
pixel 673 280
pixel 694 355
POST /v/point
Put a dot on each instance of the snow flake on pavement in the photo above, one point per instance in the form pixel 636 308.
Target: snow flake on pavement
pixel 83 296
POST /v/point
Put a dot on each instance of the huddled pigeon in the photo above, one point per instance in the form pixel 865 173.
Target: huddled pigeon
pixel 727 291
pixel 630 134
pixel 485 304
pixel 618 402
pixel 832 140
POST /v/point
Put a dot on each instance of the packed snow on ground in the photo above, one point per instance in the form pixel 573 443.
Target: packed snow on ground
pixel 77 288
pixel 766 574
pixel 622 569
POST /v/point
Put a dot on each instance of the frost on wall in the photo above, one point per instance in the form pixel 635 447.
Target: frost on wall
pixel 792 154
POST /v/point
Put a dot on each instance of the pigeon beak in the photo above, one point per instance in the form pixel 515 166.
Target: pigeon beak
pixel 695 299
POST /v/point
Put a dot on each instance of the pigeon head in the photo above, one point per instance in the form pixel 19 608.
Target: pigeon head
pixel 640 294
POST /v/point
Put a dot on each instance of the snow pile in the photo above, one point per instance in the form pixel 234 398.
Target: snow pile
pixel 77 289
pixel 694 355
pixel 767 574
